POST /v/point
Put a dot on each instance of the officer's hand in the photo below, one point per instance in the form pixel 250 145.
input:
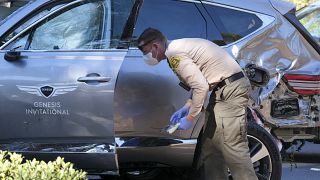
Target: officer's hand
pixel 179 114
pixel 185 124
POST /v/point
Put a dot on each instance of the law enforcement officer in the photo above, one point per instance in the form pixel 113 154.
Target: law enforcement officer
pixel 204 66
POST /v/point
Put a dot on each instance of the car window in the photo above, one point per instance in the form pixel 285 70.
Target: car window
pixel 80 27
pixel 28 21
pixel 311 21
pixel 8 8
pixel 175 19
pixel 93 24
pixel 233 24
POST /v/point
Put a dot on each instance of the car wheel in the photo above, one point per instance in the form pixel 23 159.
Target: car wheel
pixel 264 153
pixel 143 174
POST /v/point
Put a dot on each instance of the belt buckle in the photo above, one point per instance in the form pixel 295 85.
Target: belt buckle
pixel 227 81
pixel 221 84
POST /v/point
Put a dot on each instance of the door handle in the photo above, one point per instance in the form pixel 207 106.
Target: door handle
pixel 94 79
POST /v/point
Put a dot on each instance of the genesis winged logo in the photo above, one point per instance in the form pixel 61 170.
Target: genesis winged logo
pixel 47 91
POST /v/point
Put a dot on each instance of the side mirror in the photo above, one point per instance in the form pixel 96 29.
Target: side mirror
pixel 12 55
pixel 257 76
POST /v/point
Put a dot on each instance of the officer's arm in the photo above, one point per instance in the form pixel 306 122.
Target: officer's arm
pixel 189 101
pixel 191 74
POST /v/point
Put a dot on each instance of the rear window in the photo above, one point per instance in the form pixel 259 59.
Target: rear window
pixel 233 24
pixel 310 19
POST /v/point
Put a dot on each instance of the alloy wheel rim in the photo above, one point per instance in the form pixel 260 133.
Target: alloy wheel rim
pixel 260 158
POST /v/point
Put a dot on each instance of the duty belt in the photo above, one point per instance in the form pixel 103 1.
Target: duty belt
pixel 229 80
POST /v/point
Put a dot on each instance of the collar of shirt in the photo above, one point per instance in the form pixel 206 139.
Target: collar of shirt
pixel 167 45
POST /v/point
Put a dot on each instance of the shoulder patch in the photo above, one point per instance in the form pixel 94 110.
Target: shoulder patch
pixel 174 62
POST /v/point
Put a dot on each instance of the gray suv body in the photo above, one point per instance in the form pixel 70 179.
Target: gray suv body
pixel 74 84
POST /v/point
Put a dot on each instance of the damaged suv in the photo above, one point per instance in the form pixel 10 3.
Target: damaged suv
pixel 73 82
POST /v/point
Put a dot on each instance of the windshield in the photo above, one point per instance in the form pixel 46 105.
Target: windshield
pixel 8 9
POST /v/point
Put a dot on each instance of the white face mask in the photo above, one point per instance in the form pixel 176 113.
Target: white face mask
pixel 148 59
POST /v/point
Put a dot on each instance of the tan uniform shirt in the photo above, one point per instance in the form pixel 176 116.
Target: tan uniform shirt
pixel 200 63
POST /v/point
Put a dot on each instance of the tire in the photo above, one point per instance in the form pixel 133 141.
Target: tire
pixel 261 144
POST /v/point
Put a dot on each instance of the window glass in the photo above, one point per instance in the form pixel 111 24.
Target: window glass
pixel 94 24
pixel 311 21
pixel 233 24
pixel 175 19
pixel 7 8
pixel 28 22
pixel 78 28
pixel 121 10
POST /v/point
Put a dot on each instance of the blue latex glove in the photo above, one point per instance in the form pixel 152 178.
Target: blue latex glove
pixel 182 112
pixel 185 124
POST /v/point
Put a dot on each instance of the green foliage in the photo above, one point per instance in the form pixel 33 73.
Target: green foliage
pixel 13 167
